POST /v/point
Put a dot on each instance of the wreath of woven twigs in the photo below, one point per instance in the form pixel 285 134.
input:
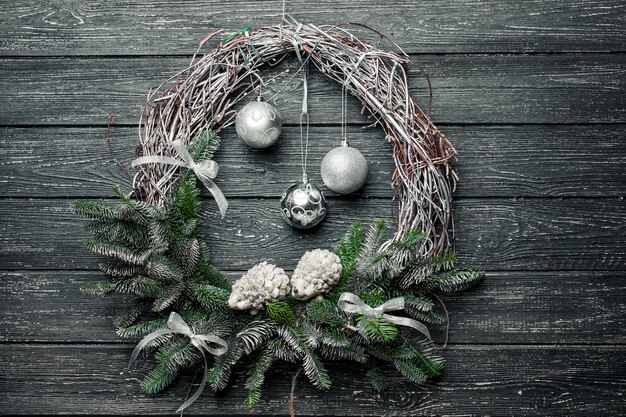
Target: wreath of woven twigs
pixel 203 96
pixel 369 300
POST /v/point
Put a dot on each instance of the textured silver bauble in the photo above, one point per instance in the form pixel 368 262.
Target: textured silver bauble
pixel 344 169
pixel 258 124
pixel 303 205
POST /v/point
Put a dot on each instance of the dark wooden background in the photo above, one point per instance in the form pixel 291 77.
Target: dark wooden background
pixel 532 94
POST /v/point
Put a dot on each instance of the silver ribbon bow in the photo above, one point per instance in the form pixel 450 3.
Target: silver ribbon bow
pixel 176 325
pixel 352 304
pixel 205 170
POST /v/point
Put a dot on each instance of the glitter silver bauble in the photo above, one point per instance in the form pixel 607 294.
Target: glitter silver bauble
pixel 344 169
pixel 303 205
pixel 258 124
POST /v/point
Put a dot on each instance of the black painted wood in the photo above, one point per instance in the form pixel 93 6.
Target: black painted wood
pixel 468 89
pixel 137 27
pixel 507 307
pixel 495 234
pixel 496 380
pixel 540 204
pixel 504 161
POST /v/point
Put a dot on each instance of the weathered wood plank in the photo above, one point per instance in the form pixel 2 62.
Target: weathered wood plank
pixel 507 307
pixel 506 161
pixel 501 380
pixel 137 27
pixel 467 89
pixel 494 234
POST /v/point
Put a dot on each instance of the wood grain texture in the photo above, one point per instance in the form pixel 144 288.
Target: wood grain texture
pixel 505 161
pixel 498 89
pixel 498 380
pixel 137 27
pixel 493 234
pixel 507 307
pixel 532 94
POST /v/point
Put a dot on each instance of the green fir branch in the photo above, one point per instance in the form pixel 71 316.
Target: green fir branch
pixel 203 145
pixel 158 379
pixel 219 375
pixel 213 276
pixel 162 268
pixel 253 397
pixel 140 286
pixel 142 329
pixel 256 333
pixel 281 312
pixel 349 248
pixel 211 298
pixel 326 312
pixel 131 314
pixel 315 370
pixel 180 355
pixel 187 203
pixel 377 379
pixel 98 288
pixel 116 251
pixel 167 297
pixel 380 329
pixel 281 350
pixel 411 371
pixel 455 281
pixel 94 210
pixel 256 376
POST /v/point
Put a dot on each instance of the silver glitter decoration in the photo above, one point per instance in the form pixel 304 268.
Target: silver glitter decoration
pixel 258 124
pixel 344 169
pixel 303 205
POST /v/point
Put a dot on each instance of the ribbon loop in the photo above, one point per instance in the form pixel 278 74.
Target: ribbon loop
pixel 205 170
pixel 176 325
pixel 352 304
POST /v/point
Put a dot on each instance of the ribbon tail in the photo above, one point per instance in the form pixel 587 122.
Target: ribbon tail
pixel 405 321
pixel 144 342
pixel 182 151
pixel 362 331
pixel 196 395
pixel 218 351
pixel 219 197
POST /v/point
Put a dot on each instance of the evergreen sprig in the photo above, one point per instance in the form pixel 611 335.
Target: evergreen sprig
pixel 158 257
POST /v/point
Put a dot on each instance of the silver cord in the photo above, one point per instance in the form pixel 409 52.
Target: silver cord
pixel 304 138
pixel 344 113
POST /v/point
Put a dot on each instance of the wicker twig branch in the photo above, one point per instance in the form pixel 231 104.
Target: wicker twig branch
pixel 202 96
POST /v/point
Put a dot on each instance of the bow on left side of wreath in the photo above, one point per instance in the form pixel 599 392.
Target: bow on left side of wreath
pixel 176 325
pixel 205 170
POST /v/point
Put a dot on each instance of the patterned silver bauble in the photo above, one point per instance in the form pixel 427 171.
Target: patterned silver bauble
pixel 303 205
pixel 258 124
pixel 344 169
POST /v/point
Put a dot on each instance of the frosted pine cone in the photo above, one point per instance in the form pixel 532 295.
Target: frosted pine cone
pixel 263 283
pixel 317 271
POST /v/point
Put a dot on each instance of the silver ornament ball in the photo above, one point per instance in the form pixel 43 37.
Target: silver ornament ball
pixel 344 169
pixel 303 205
pixel 258 124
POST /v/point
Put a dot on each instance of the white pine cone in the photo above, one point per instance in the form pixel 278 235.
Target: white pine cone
pixel 263 283
pixel 317 271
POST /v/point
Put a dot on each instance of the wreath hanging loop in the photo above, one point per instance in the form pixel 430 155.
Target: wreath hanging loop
pixel 204 95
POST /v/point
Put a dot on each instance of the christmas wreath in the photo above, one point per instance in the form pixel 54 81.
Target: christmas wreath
pixel 368 300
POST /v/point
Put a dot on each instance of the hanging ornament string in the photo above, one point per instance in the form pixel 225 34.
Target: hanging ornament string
pixel 303 205
pixel 304 119
pixel 344 111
